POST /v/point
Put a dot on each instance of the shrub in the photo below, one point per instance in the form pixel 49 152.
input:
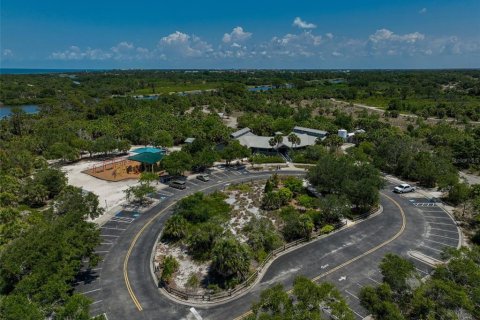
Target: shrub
pixel 296 225
pixel 327 229
pixel 170 265
pixel 259 158
pixel 193 281
pixel 306 201
pixel 230 258
pixel 294 184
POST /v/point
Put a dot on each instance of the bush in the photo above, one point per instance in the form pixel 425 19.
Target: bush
pixel 294 184
pixel 230 258
pixel 170 265
pixel 275 199
pixel 296 225
pixel 259 158
pixel 262 237
pixel 327 229
pixel 307 201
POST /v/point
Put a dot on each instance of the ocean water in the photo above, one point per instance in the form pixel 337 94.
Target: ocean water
pixel 28 108
pixel 43 71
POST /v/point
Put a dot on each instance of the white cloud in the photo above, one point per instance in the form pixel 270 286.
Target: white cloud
pixel 237 35
pixel 422 11
pixel 7 53
pixel 122 47
pixel 182 47
pixel 179 43
pixel 75 53
pixel 298 22
pixel 387 35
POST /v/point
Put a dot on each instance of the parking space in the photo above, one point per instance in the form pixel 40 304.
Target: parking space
pixel 88 281
pixel 350 281
pixel 441 232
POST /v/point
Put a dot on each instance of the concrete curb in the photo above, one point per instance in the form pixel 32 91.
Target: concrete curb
pixel 244 291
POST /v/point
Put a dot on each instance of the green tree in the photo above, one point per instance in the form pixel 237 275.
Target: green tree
pixel 177 162
pixel 53 180
pixel 162 138
pixel 333 142
pixel 294 139
pixel 234 150
pixel 139 193
pixel 230 258
pixel 75 200
pixel 175 228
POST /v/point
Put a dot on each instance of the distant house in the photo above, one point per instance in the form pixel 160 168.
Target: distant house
pixel 189 140
pixel 256 143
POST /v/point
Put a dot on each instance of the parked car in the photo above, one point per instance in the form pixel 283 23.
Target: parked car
pixel 178 184
pixel 203 177
pixel 403 188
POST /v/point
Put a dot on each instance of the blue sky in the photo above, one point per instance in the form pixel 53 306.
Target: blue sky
pixel 246 34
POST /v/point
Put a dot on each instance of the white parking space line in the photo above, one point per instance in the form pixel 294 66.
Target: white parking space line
pixel 456 232
pixel 358 314
pixel 106 243
pixel 215 175
pixel 352 295
pixel 123 218
pixel 436 217
pixel 423 245
pixel 448 245
pixel 236 173
pixel 108 235
pixel 374 280
pixel 441 223
pixel 112 228
pixel 97 302
pixel 103 251
pixel 94 290
pixel 422 271
pixel 165 193
pixel 195 184
pixel 435 211
pixel 437 235
pixel 120 221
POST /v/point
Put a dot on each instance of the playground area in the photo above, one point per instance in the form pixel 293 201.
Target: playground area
pixel 115 170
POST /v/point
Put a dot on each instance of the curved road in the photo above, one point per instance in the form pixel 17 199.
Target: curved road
pixel 348 258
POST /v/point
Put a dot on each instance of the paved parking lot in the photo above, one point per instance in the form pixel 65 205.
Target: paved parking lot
pixel 430 229
pixel 89 281
pixel 441 232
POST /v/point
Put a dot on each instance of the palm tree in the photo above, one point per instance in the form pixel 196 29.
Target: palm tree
pixel 294 139
pixel 275 141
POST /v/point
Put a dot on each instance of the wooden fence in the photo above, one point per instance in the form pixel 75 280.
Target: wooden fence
pixel 225 294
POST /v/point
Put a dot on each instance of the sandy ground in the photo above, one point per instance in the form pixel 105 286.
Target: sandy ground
pixel 245 206
pixel 470 178
pixel 110 194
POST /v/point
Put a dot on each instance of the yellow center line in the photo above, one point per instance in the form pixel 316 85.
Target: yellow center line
pixel 402 229
pixel 134 241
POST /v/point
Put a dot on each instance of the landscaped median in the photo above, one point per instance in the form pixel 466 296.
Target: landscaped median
pixel 216 247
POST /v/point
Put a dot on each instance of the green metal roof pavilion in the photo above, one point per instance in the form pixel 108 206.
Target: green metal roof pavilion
pixel 147 157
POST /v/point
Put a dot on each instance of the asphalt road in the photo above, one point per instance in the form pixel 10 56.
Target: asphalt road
pixel 405 225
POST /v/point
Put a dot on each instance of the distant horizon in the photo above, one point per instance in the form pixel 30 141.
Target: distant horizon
pixel 24 71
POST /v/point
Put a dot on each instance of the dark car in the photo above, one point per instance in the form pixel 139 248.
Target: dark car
pixel 203 177
pixel 178 184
